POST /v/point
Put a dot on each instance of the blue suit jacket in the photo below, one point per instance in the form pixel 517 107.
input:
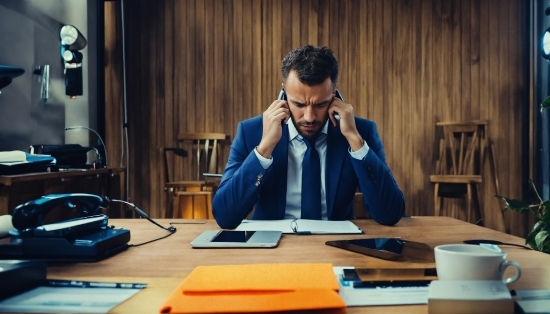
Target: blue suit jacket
pixel 246 185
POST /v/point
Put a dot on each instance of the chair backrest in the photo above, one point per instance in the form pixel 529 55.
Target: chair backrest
pixel 462 148
pixel 207 150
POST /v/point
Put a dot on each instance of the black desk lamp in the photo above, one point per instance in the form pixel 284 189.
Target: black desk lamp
pixel 8 73
pixel 72 41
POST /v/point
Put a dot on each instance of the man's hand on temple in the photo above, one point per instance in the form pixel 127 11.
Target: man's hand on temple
pixel 347 122
pixel 273 118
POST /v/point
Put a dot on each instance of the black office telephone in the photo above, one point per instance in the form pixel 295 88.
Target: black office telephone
pixel 31 214
pixel 86 237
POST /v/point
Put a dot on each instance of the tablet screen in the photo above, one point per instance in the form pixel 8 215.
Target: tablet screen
pixel 233 236
pixel 386 244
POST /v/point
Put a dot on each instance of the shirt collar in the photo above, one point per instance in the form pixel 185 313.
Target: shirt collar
pixel 293 133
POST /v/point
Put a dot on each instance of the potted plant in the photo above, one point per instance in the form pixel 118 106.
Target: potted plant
pixel 539 237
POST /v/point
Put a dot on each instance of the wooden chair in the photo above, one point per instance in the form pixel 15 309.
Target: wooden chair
pixel 193 198
pixel 460 163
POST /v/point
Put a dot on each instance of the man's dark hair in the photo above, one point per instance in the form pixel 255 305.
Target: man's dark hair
pixel 312 64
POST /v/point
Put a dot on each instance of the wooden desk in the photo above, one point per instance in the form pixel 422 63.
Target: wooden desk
pixel 21 188
pixel 165 263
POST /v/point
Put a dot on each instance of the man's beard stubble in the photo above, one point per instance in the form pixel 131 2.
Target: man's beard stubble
pixel 308 135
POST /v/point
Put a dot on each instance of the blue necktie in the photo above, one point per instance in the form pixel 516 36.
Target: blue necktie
pixel 311 182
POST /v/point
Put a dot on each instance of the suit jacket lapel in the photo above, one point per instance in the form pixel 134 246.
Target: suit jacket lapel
pixel 336 150
pixel 280 168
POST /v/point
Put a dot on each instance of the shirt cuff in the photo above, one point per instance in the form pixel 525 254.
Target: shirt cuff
pixel 359 154
pixel 266 163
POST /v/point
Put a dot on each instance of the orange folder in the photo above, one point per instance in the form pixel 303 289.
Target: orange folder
pixel 256 288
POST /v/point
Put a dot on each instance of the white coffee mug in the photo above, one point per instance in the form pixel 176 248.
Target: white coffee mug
pixel 472 262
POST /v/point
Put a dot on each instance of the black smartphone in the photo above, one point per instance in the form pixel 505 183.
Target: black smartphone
pixel 387 248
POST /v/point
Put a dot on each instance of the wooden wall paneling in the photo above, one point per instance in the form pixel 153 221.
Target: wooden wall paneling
pixel 304 22
pixel 388 89
pixel 398 73
pixel 167 123
pixel 438 70
pixel 323 25
pixel 365 75
pixel 424 143
pixel 502 110
pixel 455 87
pixel 257 77
pixel 188 80
pixel 334 33
pixel 341 51
pixel 207 103
pixel 313 22
pixel 246 96
pixel 475 31
pixel 517 111
pixel 354 56
pixel 200 66
pixel 179 91
pixel 466 62
pixel 220 101
pixel 237 99
pixel 267 53
pixel 113 83
pixel 286 28
pixel 294 8
pixel 377 74
pixel 277 53
pixel 414 112
pixel 409 86
pixel 229 87
pixel 483 82
pixel 155 108
pixel 494 57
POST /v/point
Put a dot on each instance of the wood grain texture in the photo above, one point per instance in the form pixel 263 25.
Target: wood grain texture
pixel 203 66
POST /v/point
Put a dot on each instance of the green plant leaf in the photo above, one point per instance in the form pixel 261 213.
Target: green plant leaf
pixel 530 240
pixel 515 205
pixel 545 103
pixel 542 239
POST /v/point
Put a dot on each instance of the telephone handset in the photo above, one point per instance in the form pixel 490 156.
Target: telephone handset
pixel 31 214
pixel 282 96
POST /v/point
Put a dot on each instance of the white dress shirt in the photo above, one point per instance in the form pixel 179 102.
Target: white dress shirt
pixel 296 150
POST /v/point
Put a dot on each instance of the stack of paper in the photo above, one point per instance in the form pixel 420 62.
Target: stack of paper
pixel 256 288
pixel 14 156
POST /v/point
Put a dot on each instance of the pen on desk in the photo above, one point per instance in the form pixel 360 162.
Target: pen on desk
pixel 90 284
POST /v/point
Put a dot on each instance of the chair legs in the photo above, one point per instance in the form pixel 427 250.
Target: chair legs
pixel 192 205
pixel 469 202
pixel 470 198
pixel 437 200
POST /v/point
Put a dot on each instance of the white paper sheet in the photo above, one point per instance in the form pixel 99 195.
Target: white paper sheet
pixel 303 226
pixel 67 300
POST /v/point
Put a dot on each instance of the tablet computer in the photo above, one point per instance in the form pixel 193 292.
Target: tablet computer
pixel 387 248
pixel 237 239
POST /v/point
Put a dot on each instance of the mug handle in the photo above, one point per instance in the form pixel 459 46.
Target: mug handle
pixel 516 276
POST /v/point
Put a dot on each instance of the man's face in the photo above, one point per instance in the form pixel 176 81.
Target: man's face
pixel 308 104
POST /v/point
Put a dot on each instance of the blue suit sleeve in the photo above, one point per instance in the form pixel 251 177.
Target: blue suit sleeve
pixel 239 188
pixel 382 198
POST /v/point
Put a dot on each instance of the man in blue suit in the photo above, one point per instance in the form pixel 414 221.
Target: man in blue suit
pixel 274 170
